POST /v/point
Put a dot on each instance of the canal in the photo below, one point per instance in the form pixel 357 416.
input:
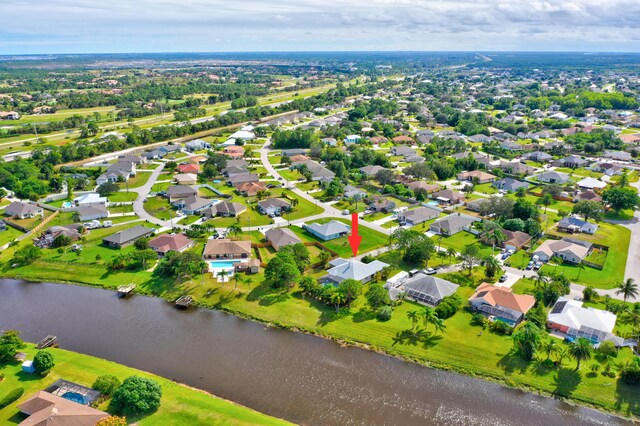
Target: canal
pixel 301 378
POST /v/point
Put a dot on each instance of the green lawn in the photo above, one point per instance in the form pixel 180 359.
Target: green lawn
pixel 122 196
pixel 159 207
pixel 303 209
pixel 486 188
pixel 162 186
pixel 135 182
pixel 460 240
pixel 617 238
pixel 371 239
pixel 180 405
pixel 581 173
pixel 9 235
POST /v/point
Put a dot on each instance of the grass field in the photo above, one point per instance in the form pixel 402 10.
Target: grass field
pixel 159 207
pixel 180 405
pixel 135 182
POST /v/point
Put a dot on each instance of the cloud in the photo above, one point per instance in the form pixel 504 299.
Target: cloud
pixel 50 26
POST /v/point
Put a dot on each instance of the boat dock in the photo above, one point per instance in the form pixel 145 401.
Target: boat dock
pixel 184 302
pixel 125 290
pixel 47 342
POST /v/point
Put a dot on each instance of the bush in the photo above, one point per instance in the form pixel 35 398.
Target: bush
pixel 479 319
pixel 137 395
pixel 43 362
pixel 589 294
pixel 448 307
pixel 607 350
pixel 12 397
pixel 106 385
pixel 630 374
pixel 112 421
pixel 500 327
pixel 384 313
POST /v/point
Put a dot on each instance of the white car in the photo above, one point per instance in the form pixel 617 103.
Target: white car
pixel 345 212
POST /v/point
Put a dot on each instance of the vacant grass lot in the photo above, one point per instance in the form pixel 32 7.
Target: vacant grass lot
pixel 135 182
pixel 460 240
pixel 123 196
pixel 180 404
pixel 9 235
pixel 159 207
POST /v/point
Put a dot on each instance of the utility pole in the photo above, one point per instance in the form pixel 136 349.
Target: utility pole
pixel 35 130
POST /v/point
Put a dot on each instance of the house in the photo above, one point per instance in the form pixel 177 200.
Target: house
pixel 198 159
pixel 188 168
pixel 225 209
pixel 130 158
pixel 515 240
pixel 553 177
pixel 509 184
pixel 317 171
pixel 571 318
pixel 280 237
pixel 186 179
pixel 298 158
pixel 501 303
pixel 476 205
pixel 3 225
pixel 419 215
pixel 351 139
pixel 22 210
pixel 479 175
pixel 447 196
pixel 402 139
pixel 250 189
pixel 232 171
pixel 90 199
pixel 244 135
pixel 243 178
pixel 426 289
pixel 515 167
pixel 452 224
pixel 591 183
pixel 127 237
pixel 116 172
pixel 92 212
pixel 197 145
pixel 609 169
pixel 381 205
pixel 329 230
pixel 618 155
pixel 378 140
pixel 73 232
pixel 587 195
pixel 234 151
pixel 569 249
pixel 423 186
pixel 371 170
pixel 153 154
pixel 402 150
pixel 178 192
pixel 273 206
pixel 573 225
pixel 510 145
pixel 169 149
pixel 44 408
pixel 226 249
pixel 343 269
pixel 9 115
pixel 572 161
pixel 479 138
pixel 170 242
pixel 538 157
pixel 193 204
pixel 329 141
pixel 353 192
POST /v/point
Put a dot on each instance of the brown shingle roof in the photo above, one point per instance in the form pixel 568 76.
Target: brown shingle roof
pixel 224 247
pixel 45 409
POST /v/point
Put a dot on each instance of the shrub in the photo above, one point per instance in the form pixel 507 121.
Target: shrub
pixel 607 350
pixel 479 319
pixel 43 362
pixel 11 397
pixel 500 327
pixel 589 294
pixel 384 313
pixel 630 374
pixel 112 421
pixel 448 307
pixel 106 385
pixel 137 395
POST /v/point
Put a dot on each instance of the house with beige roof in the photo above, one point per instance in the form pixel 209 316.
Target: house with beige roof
pixel 482 177
pixel 569 249
pixel 45 409
pixel 281 237
pixel 226 249
pixel 501 303
pixel 164 243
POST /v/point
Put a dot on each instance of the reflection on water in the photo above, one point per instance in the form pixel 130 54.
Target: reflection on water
pixel 301 378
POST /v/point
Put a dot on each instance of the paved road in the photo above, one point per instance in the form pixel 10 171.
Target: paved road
pixel 143 192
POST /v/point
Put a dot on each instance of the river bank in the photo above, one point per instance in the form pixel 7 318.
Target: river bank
pixel 181 404
pixel 482 355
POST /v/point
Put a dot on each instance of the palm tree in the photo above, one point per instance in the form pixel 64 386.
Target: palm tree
pixel 451 252
pixel 439 325
pixel 549 346
pixel 14 244
pixel 294 203
pixel 632 315
pixel 429 316
pixel 236 278
pixel 628 289
pixel 235 229
pixel 493 236
pixel 491 266
pixel 413 316
pixel 581 350
pixel 221 275
pixel 561 354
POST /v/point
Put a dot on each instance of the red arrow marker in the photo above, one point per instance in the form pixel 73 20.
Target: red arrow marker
pixel 354 238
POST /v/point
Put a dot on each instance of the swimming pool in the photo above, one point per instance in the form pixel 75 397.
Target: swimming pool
pixel 66 204
pixel 74 396
pixel 433 203
pixel 221 264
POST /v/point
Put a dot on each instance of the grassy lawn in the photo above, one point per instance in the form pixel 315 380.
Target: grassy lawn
pixel 159 207
pixel 180 404
pixel 140 179
pixel 123 208
pixel 486 188
pixel 617 238
pixel 32 222
pixel 371 239
pixel 9 235
pixel 162 186
pixel 249 218
pixel 303 209
pixel 122 196
pixel 289 175
pixel 582 173
pixel 460 240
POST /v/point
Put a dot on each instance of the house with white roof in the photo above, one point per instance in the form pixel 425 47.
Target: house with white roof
pixel 329 230
pixel 571 318
pixel 90 199
pixel 591 183
pixel 343 269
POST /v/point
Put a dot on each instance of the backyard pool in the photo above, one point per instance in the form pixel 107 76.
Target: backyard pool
pixel 221 264
pixel 432 203
pixel 66 204
pixel 74 396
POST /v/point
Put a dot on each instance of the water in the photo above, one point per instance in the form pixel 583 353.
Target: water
pixel 301 378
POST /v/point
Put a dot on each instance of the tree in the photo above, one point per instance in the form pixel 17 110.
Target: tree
pixel 552 189
pixel 546 200
pixel 429 316
pixel 300 254
pixel 419 250
pixel 282 270
pixel 621 198
pixel 351 289
pixel 107 189
pixel 491 266
pixel 628 289
pixel 521 192
pixel 514 225
pixel 580 350
pixel 588 209
pixel 141 244
pixel 549 346
pixel 525 209
pixel 26 255
pixel 10 344
pixel 413 316
pixel 385 177
pixel 624 179
pixel 323 257
pixel 61 241
pixel 451 253
pixel 106 385
pixel 526 339
pixel 144 256
pixel 493 236
pixel 469 257
pixel 137 395
pixel 43 362
pixel 234 229
pixel 377 295
pixel 3 193
pixel 180 265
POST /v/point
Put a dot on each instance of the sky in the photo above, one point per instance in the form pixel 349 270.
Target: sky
pixel 115 26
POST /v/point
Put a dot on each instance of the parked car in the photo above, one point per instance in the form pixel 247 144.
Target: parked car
pixel 430 271
pixel 367 211
pixel 537 266
pixel 503 278
pixel 530 265
pixel 504 256
pixel 345 212
pixel 107 224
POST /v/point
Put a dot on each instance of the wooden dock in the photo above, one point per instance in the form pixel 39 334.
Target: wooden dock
pixel 47 342
pixel 125 290
pixel 184 302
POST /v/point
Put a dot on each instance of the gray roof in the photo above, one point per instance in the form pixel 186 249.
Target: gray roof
pixel 128 235
pixel 282 236
pixel 19 208
pixel 92 210
pixel 455 221
pixel 510 184
pixel 429 288
pixel 353 269
pixel 244 177
pixel 274 202
pixel 185 190
pixel 195 203
pixel 228 207
pixel 329 228
pixel 420 214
